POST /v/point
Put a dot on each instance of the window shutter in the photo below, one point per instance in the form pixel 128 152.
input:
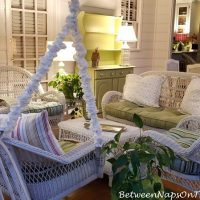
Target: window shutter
pixel 29 33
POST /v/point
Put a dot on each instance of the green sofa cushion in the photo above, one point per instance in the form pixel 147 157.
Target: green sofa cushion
pixel 154 117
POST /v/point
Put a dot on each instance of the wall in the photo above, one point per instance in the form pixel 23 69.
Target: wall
pixel 195 17
pixel 162 33
pixel 155 33
pixel 142 59
pixel 3 39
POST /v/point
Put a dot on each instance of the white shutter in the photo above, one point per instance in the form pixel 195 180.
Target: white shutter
pixel 29 23
pixel 42 24
pixel 18 47
pixel 17 27
pixel 42 5
pixel 29 33
pixel 29 4
pixel 16 3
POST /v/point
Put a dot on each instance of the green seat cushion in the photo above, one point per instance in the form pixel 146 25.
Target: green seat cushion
pixel 154 117
pixel 185 138
pixel 67 145
pixel 53 108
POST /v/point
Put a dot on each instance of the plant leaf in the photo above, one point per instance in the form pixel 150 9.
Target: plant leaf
pixel 117 136
pixel 138 121
pixel 157 187
pixel 119 177
pixel 111 160
pixel 120 161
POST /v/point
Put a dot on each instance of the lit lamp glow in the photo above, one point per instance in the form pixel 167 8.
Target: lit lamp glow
pixel 126 34
pixel 65 55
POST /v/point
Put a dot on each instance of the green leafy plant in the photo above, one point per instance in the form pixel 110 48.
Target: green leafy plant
pixel 69 84
pixel 137 166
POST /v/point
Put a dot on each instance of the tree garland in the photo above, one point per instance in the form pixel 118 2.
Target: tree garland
pixel 71 25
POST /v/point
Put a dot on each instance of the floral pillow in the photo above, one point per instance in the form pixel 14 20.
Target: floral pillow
pixel 144 91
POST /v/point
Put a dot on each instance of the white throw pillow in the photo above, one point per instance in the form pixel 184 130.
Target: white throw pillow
pixel 191 99
pixel 144 91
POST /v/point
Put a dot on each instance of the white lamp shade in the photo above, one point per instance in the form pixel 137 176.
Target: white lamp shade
pixel 126 34
pixel 66 54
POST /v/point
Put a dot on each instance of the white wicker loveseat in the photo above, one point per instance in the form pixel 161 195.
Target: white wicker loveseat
pixel 184 138
pixel 13 81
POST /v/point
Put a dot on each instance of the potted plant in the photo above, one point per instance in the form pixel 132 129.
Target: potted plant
pixel 137 168
pixel 69 84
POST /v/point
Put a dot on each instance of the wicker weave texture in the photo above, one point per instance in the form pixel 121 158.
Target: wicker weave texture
pixel 13 81
pixel 48 176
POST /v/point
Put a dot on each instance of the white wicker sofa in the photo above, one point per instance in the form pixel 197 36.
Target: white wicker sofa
pixel 184 138
pixel 13 81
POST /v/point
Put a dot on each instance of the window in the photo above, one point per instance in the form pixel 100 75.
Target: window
pixel 29 33
pixel 131 13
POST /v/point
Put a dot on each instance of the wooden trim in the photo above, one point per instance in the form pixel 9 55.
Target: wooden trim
pixel 8 28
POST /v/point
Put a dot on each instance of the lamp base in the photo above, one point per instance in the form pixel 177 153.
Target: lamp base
pixel 125 56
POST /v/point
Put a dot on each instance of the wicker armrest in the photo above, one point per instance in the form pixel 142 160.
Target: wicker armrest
pixel 191 123
pixel 71 156
pixel 111 96
pixel 191 153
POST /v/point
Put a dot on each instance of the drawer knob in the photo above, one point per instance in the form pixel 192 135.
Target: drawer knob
pixel 112 74
pixel 101 74
pixel 122 72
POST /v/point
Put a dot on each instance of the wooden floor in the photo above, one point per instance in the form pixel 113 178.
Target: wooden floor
pixel 96 190
pixel 99 190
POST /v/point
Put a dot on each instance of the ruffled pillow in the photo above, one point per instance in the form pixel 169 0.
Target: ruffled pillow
pixel 144 91
pixel 191 100
pixel 35 130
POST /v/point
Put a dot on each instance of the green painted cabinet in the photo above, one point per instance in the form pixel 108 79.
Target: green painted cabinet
pixel 107 78
pixel 100 31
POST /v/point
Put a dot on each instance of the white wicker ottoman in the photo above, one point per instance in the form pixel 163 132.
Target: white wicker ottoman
pixel 74 130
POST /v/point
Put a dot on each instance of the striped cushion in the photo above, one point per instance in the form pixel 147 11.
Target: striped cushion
pixel 68 145
pixel 53 108
pixel 35 130
pixel 185 138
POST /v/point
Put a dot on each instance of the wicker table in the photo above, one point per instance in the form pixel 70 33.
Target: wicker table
pixel 74 130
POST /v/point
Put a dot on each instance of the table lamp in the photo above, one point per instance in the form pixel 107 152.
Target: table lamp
pixel 126 34
pixel 65 55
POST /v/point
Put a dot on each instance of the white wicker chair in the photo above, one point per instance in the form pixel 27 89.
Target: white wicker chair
pixel 13 81
pixel 45 175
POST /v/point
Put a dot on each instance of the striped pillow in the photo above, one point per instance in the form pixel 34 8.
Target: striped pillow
pixel 35 130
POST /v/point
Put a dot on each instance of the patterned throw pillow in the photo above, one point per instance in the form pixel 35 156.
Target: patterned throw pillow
pixel 144 91
pixel 35 130
pixel 191 99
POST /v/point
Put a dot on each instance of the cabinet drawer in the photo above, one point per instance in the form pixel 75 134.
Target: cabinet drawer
pixel 104 74
pixel 112 73
pixel 123 72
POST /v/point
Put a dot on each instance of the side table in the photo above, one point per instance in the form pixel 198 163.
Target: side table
pixel 74 130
